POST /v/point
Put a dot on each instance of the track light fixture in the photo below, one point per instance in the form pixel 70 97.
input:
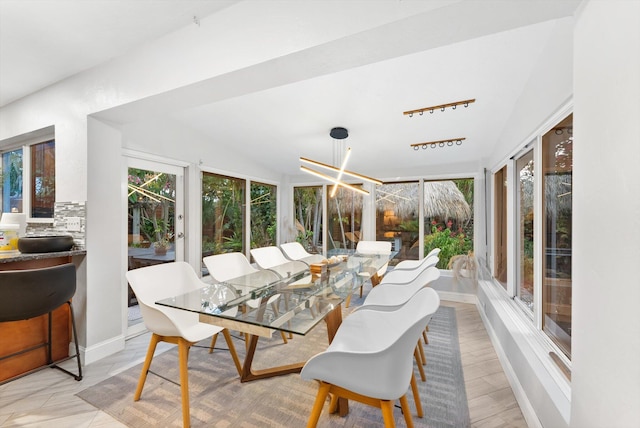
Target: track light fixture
pixel 441 107
pixel 438 143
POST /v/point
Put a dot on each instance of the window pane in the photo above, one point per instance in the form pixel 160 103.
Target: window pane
pixel 12 181
pixel 263 215
pixel 448 218
pixel 308 214
pixel 223 214
pixel 524 168
pixel 500 226
pixel 397 214
pixel 557 164
pixel 43 179
pixel 344 219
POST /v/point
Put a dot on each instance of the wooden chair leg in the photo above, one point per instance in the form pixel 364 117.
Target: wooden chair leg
pixel 423 358
pixel 183 357
pixel 424 336
pixel 274 308
pixel 416 396
pixel 147 363
pixel 387 413
pixel 404 403
pixel 416 354
pixel 213 342
pixel 323 391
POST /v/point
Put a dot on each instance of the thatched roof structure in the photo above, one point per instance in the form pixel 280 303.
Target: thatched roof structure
pixel 442 199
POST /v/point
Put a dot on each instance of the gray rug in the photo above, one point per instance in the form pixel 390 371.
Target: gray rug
pixel 218 399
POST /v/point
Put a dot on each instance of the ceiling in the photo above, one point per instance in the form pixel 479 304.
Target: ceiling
pixel 281 109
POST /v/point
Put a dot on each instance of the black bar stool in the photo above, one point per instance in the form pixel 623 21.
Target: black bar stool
pixel 30 293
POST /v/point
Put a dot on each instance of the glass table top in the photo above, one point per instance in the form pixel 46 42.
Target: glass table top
pixel 265 300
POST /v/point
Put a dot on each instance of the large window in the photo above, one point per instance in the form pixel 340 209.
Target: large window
pixel 344 218
pixel 397 217
pixel 543 232
pixel 557 165
pixel 307 203
pixel 223 214
pixel 263 215
pixel 31 167
pixel 448 218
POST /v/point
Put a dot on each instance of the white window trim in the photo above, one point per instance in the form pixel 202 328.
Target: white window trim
pixel 24 142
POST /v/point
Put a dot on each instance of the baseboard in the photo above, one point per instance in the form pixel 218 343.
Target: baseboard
pixel 102 349
pixel 452 296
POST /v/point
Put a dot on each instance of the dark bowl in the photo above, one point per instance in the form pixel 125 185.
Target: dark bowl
pixel 45 244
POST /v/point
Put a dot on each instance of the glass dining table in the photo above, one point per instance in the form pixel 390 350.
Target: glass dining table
pixel 293 298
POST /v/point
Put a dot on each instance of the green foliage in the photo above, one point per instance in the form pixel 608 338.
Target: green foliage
pixel 450 243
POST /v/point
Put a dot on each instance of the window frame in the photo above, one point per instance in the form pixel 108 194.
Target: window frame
pixel 534 318
pixel 25 142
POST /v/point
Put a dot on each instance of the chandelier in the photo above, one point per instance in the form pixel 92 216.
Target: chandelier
pixel 338 134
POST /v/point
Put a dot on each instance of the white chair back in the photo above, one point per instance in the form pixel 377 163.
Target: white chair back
pixel 373 247
pixel 403 276
pixel 162 281
pixel 416 264
pixel 267 257
pixel 294 251
pixel 388 295
pixel 223 267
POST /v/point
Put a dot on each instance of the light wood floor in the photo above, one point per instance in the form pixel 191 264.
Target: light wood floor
pixel 47 398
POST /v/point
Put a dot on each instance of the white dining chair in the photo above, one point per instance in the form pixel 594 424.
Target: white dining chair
pixel 405 276
pixel 374 248
pixel 389 296
pixel 226 266
pixel 295 251
pixel 370 358
pixel 414 264
pixel 171 325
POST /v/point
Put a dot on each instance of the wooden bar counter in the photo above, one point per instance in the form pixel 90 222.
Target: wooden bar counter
pixel 18 335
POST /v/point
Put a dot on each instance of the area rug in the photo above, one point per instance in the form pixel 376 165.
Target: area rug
pixel 218 399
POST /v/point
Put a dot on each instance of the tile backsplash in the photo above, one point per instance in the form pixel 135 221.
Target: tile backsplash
pixel 63 211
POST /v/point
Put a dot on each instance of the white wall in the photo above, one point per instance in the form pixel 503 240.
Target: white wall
pixel 606 230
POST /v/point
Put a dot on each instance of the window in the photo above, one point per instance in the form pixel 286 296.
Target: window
pixel 557 165
pixel 500 226
pixel 344 217
pixel 448 218
pixel 542 231
pixel 263 215
pixel 397 217
pixel 30 167
pixel 223 214
pixel 307 203
pixel 524 181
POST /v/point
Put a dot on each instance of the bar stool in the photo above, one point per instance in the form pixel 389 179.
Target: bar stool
pixel 30 293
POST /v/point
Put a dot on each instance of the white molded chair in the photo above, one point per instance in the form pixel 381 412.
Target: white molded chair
pixel 267 257
pixel 370 359
pixel 405 276
pixel 414 264
pixel 389 296
pixel 295 251
pixel 374 247
pixel 226 266
pixel 176 326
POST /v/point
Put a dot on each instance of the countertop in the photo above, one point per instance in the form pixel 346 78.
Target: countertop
pixel 19 257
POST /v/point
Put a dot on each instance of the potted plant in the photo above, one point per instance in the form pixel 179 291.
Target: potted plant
pixel 162 245
pixel 463 265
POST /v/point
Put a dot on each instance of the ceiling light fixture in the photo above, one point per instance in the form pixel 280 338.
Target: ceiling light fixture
pixel 440 107
pixel 338 133
pixel 438 143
